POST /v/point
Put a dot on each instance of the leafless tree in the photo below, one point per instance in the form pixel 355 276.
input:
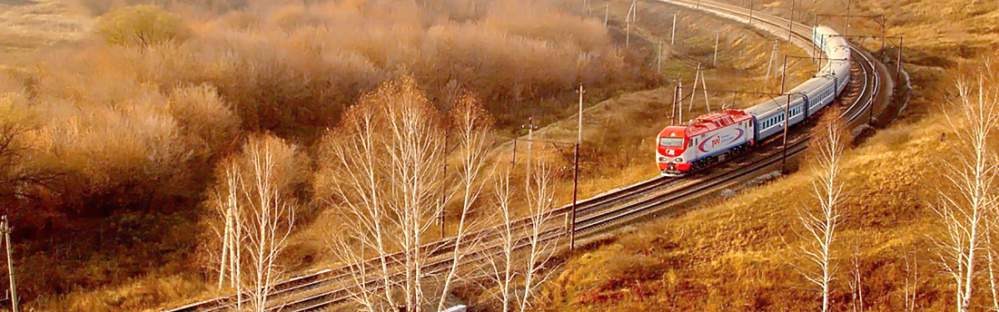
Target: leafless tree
pixel 256 217
pixel 523 262
pixel 820 224
pixel 540 201
pixel 965 209
pixel 267 221
pixel 386 176
pixel 474 129
pixel 856 282
pixel 226 202
pixel 501 265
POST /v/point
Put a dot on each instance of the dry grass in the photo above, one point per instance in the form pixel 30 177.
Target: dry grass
pixel 742 253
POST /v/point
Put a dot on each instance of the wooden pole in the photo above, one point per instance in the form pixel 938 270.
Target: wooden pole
pixel 770 63
pixel 530 145
pixel 672 37
pixel 672 113
pixel 606 13
pixel 847 32
pixel 884 25
pixel 659 58
pixel 513 160
pixel 898 63
pixel 575 174
pixel 787 109
pixel 783 75
pixel 680 101
pixel 790 23
pixel 750 12
pixel 714 60
pixel 693 90
pixel 6 228
pixel 704 87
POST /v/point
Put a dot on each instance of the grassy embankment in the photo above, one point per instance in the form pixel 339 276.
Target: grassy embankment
pixel 745 253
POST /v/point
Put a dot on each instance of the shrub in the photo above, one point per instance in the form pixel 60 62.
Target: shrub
pixel 141 25
pixel 205 119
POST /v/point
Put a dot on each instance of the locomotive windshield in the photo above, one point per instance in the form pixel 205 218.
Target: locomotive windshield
pixel 671 142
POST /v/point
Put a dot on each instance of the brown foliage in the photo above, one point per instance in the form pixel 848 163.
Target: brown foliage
pixel 141 25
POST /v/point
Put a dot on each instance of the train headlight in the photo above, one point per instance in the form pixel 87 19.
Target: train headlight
pixel 663 159
pixel 678 160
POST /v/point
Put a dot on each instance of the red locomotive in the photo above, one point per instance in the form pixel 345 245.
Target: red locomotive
pixel 707 139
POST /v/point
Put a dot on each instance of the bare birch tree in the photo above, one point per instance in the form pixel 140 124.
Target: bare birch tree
pixel 385 176
pixel 267 221
pixel 226 202
pixel 501 265
pixel 966 208
pixel 474 139
pixel 820 224
pixel 257 214
pixel 523 261
pixel 540 202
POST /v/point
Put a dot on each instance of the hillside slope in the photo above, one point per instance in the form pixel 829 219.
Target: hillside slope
pixel 745 253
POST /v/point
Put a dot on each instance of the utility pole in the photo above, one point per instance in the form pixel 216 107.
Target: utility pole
pixel 693 90
pixel 530 144
pixel 6 229
pixel 773 54
pixel 627 27
pixel 750 12
pixel 898 62
pixel 676 92
pixel 575 174
pixel 848 3
pixel 659 59
pixel 790 23
pixel 513 160
pixel 679 100
pixel 815 49
pixel 884 35
pixel 704 87
pixel 672 37
pixel 714 61
pixel 783 75
pixel 634 10
pixel 606 13
pixel 783 160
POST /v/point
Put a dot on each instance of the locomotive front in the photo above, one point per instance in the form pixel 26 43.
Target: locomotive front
pixel 671 147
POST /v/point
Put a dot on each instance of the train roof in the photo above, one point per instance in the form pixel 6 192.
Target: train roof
pixel 717 120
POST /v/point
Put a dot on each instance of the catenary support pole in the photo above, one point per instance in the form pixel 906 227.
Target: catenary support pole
pixel 714 60
pixel 787 119
pixel 672 37
pixel 672 113
pixel 10 263
pixel 575 174
pixel 898 63
pixel 790 23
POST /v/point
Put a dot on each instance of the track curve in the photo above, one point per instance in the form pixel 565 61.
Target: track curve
pixel 621 206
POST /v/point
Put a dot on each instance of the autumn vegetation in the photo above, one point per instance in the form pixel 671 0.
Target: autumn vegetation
pixel 115 149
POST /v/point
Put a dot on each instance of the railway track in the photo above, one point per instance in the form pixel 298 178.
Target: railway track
pixel 611 209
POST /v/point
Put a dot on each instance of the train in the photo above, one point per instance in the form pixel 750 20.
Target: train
pixel 715 137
